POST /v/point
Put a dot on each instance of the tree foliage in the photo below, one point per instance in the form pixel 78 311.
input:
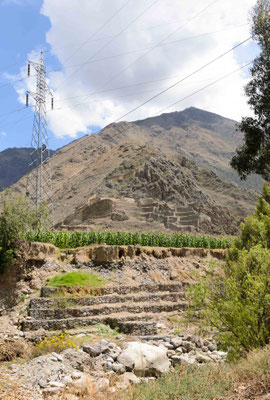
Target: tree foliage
pixel 16 218
pixel 235 298
pixel 254 155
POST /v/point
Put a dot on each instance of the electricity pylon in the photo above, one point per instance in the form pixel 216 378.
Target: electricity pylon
pixel 39 184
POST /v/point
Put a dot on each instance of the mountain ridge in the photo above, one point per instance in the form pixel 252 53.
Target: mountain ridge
pixel 128 160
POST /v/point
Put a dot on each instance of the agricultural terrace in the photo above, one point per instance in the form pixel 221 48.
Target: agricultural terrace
pixel 76 239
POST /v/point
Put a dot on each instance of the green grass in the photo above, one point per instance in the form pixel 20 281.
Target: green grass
pixel 65 240
pixel 187 383
pixel 76 279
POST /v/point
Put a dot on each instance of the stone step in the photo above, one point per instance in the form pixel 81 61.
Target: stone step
pixel 189 222
pixel 101 309
pixel 48 291
pixel 185 214
pixel 189 218
pixel 184 209
pixel 41 302
pixel 127 323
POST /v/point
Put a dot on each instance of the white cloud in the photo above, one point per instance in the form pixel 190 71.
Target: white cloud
pixel 71 25
pixel 3 134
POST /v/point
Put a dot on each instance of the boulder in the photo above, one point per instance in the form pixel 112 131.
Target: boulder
pixel 78 359
pixel 144 358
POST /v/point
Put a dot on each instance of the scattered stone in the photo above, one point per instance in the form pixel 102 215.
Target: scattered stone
pixel 56 384
pixel 119 368
pixel 43 383
pixel 187 359
pixel 94 350
pixel 58 357
pixel 76 375
pixel 129 377
pixel 176 359
pixel 161 326
pixel 202 358
pixel 176 342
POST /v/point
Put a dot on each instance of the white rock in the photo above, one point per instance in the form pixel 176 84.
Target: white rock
pixel 143 357
pixel 57 356
pixel 76 375
pixel 119 368
pixel 179 350
pixel 67 379
pixel 187 359
pixel 161 326
pixel 56 384
pixel 129 377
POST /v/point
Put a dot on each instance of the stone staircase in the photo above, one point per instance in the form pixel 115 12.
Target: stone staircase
pixel 131 309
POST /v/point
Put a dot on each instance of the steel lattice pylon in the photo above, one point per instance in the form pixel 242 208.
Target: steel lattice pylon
pixel 39 184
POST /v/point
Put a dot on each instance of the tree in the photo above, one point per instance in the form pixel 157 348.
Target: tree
pixel 16 218
pixel 254 155
pixel 235 297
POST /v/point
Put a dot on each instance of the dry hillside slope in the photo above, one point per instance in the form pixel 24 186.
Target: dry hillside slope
pixel 135 161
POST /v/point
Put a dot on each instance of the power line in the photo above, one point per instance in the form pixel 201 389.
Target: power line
pixel 105 99
pixel 116 98
pixel 120 87
pixel 12 112
pixel 186 77
pixel 110 41
pixel 99 29
pixel 205 87
pixel 17 80
pixel 147 48
pixel 184 98
pixel 163 40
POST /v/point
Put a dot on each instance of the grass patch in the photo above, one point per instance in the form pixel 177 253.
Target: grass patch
pixel 186 383
pixel 76 279
pixel 105 330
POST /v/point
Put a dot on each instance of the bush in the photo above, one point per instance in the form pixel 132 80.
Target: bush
pixel 16 218
pixel 55 343
pixel 235 299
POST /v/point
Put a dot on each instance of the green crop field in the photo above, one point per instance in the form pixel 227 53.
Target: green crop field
pixel 75 239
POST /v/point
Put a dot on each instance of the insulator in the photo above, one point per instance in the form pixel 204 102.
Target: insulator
pixel 52 103
pixel 29 66
pixel 27 99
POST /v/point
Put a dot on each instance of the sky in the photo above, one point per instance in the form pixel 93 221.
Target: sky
pixel 104 58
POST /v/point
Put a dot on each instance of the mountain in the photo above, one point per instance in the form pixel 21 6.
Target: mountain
pixel 14 163
pixel 127 164
pixel 204 137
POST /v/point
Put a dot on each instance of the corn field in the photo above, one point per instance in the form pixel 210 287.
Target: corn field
pixel 75 239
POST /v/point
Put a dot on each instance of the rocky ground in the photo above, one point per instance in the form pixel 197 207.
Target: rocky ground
pixel 130 360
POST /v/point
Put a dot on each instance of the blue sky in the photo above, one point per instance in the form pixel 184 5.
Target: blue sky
pixel 22 29
pixel 60 27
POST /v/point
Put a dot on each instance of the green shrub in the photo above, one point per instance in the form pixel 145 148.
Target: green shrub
pixel 235 298
pixel 16 218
